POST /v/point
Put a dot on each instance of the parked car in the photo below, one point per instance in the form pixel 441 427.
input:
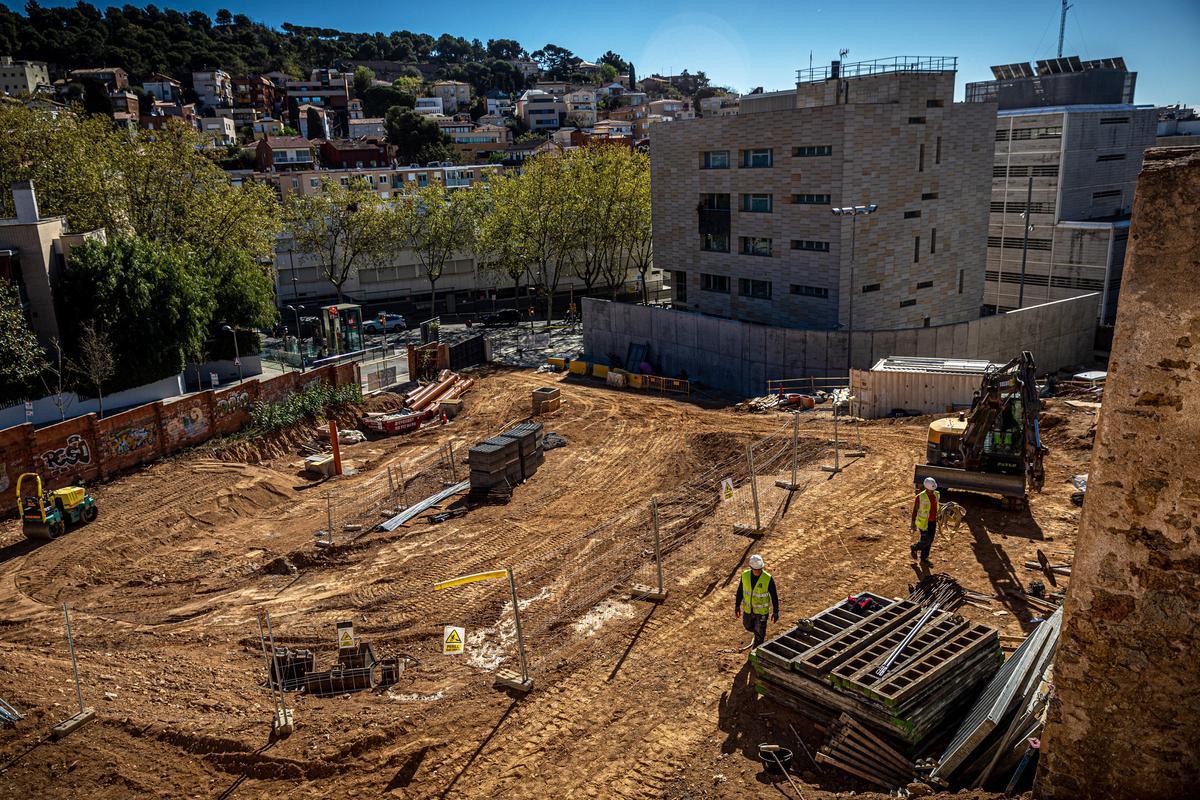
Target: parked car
pixel 385 323
pixel 505 316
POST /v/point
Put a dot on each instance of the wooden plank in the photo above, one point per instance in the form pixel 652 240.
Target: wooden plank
pixel 828 655
pixel 69 726
pixel 825 758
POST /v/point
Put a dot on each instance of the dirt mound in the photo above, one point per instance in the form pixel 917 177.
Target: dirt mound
pixel 258 448
pixel 383 402
pixel 255 490
pixel 281 565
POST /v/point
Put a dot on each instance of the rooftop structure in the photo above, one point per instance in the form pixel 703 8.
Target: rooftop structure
pixel 1056 82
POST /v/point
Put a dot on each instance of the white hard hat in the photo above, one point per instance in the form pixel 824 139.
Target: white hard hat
pixel 756 561
pixel 930 484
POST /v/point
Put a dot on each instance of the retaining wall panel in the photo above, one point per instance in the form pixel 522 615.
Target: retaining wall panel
pixel 129 438
pixel 67 453
pixel 186 422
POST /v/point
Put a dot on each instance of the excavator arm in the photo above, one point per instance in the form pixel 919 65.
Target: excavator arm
pixel 1003 390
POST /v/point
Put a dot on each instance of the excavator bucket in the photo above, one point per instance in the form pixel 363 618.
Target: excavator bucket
pixel 1008 486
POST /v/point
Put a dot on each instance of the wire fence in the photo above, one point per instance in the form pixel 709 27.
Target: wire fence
pixel 688 542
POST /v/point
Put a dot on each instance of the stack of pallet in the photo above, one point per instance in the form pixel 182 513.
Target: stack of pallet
pixel 546 399
pixel 852 748
pixel 888 663
pixel 500 463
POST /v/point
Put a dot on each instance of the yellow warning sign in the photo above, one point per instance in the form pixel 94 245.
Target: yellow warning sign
pixel 452 641
pixel 345 635
pixel 726 490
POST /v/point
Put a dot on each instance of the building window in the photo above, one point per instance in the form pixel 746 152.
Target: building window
pixel 930 196
pixel 932 241
pixel 916 249
pixel 754 159
pixel 714 283
pixel 912 214
pixel 756 203
pixel 925 285
pixel 714 202
pixel 810 199
pixel 925 322
pixel 714 159
pixel 759 290
pixel 295 183
pixel 870 287
pixel 937 152
pixel 755 246
pixel 811 291
pixel 1106 194
pixel 1111 157
pixel 1016 243
pixel 715 242
pixel 907 303
pixel 810 244
pixel 960 280
pixel 934 103
pixel 916 120
pixel 679 280
pixel 921 158
pixel 1114 120
pixel 812 150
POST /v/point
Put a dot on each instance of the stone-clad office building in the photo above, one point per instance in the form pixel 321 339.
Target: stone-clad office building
pixel 742 205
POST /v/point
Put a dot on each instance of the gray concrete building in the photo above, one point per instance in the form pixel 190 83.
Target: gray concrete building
pixel 1065 81
pixel 742 203
pixel 22 77
pixel 1083 161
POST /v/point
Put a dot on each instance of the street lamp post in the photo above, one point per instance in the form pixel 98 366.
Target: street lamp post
pixel 237 356
pixel 854 212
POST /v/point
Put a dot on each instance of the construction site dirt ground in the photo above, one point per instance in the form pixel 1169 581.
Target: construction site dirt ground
pixel 631 699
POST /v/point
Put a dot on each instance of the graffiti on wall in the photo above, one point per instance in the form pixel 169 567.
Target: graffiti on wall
pixel 3 478
pixel 131 439
pixel 233 402
pixel 191 424
pixel 74 453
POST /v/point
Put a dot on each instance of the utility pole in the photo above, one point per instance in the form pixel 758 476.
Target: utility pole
pixel 1062 25
pixel 1028 228
pixel 854 212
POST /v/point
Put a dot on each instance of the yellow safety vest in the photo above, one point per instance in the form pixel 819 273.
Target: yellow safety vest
pixel 756 598
pixel 923 508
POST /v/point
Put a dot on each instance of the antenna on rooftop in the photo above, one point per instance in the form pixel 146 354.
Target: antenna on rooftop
pixel 1062 25
pixel 845 51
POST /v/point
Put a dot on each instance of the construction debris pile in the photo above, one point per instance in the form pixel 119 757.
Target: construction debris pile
pixel 994 738
pixel 900 666
pixel 431 401
pixel 501 462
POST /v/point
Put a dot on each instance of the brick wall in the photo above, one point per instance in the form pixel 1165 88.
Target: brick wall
pixel 84 448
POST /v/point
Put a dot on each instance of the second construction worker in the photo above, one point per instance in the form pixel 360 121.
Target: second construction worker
pixel 924 519
pixel 756 598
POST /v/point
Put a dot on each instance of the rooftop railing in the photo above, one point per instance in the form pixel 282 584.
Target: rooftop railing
pixel 879 66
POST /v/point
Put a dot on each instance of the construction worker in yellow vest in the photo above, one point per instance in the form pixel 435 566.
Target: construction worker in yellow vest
pixel 756 598
pixel 924 519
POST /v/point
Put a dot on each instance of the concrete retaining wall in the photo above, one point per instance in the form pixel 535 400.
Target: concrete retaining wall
pixel 85 448
pixel 740 357
pixel 45 409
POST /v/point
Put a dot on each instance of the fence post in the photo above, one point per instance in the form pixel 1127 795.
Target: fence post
pixel 754 488
pixel 512 587
pixel 837 446
pixel 329 518
pixel 453 470
pixel 391 483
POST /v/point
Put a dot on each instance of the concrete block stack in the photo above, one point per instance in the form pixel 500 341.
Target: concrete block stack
pixel 501 462
pixel 546 399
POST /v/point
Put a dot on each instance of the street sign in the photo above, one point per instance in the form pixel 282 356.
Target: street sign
pixel 726 490
pixel 214 379
pixel 452 641
pixel 237 362
pixel 345 635
pixel 28 410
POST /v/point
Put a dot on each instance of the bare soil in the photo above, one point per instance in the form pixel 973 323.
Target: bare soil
pixel 639 701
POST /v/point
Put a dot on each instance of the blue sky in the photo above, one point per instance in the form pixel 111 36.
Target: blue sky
pixel 755 43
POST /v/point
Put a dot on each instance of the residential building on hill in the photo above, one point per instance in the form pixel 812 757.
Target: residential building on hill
pixel 742 204
pixel 498 102
pixel 22 77
pixel 256 92
pixel 354 154
pixel 283 153
pixel 481 140
pixel 164 88
pixel 581 107
pixel 218 130
pixel 214 88
pixel 326 89
pixel 456 95
pixel 430 105
pixel 725 105
pixel 366 128
pixel 114 79
pixel 541 110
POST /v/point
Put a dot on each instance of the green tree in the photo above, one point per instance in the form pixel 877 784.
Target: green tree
pixel 608 73
pixel 151 298
pixel 500 244
pixel 364 78
pixel 408 83
pixel 557 62
pixel 96 363
pixel 343 228
pixel 505 49
pixel 20 354
pixel 417 138
pixel 378 99
pixel 436 224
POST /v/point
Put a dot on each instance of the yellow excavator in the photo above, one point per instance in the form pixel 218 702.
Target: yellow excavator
pixel 45 515
pixel 995 448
